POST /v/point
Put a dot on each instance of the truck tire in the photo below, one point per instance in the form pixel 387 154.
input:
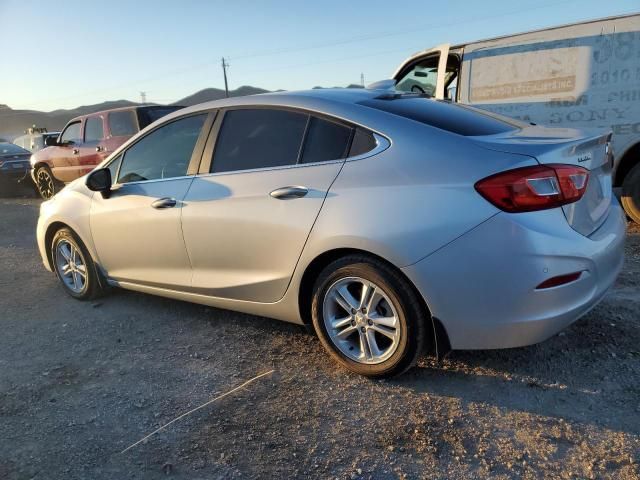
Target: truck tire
pixel 631 193
pixel 46 183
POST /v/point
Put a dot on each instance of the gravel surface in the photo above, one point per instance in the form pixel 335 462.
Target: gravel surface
pixel 80 382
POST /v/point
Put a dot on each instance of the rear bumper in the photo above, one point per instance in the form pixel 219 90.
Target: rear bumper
pixel 15 175
pixel 482 286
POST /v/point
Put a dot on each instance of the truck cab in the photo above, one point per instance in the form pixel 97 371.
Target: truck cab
pixel 583 75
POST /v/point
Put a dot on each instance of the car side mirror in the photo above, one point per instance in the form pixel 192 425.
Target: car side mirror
pixel 51 141
pixel 100 181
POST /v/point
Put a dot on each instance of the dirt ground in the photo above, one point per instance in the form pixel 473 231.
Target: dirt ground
pixel 80 382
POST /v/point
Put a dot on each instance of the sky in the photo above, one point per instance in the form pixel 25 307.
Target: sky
pixel 77 52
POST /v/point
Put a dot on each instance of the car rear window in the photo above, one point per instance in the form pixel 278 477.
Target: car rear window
pixel 454 118
pixel 146 116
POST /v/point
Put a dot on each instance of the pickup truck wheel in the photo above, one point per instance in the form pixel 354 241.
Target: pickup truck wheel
pixel 45 182
pixel 631 193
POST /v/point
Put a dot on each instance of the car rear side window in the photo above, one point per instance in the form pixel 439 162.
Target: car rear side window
pixel 258 138
pixel 122 123
pixel 163 153
pixel 325 140
pixel 93 129
pixel 458 119
pixel 363 142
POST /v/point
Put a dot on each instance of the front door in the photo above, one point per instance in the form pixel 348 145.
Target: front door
pixel 64 156
pixel 249 213
pixel 136 230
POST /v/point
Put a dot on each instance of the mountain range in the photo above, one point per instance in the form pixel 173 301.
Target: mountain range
pixel 13 123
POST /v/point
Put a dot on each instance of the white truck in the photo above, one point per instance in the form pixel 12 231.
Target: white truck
pixel 580 75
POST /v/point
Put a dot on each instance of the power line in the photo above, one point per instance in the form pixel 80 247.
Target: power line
pixel 309 47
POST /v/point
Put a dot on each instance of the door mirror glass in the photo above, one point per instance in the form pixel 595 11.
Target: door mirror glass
pixel 99 181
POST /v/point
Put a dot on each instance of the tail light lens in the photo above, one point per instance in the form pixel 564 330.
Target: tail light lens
pixel 534 188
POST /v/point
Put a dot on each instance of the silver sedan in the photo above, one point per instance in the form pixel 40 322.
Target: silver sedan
pixel 391 223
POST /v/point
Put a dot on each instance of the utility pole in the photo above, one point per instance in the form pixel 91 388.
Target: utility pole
pixel 362 79
pixel 225 65
pixel 143 97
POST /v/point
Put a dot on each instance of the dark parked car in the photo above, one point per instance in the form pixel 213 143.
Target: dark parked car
pixel 14 166
pixel 86 141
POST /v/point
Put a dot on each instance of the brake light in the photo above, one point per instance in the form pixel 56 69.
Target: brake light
pixel 534 188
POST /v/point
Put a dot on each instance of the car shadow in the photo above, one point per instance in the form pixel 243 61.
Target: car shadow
pixel 573 376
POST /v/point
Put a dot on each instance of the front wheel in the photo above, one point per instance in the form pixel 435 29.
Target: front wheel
pixel 631 193
pixel 368 317
pixel 45 182
pixel 74 266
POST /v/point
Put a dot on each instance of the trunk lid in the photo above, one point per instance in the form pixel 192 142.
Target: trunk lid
pixel 587 148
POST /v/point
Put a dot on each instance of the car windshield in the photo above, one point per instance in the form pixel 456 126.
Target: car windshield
pixel 11 149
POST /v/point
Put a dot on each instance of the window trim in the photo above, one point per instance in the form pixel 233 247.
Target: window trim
pixel 196 156
pixel 382 143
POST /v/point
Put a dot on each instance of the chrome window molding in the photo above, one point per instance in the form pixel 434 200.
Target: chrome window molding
pixel 382 143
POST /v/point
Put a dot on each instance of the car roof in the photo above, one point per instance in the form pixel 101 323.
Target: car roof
pixel 330 101
pixel 123 109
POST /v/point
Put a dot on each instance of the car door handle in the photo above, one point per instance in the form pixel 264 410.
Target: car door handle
pixel 288 193
pixel 164 203
pixel 75 151
pixel 99 148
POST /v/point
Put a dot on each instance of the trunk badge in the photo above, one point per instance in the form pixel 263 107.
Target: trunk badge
pixel 585 157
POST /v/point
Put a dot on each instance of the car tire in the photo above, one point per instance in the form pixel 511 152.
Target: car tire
pixel 630 198
pixel 74 266
pixel 358 344
pixel 46 184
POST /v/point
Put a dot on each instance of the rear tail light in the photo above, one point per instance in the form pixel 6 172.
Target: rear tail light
pixel 534 188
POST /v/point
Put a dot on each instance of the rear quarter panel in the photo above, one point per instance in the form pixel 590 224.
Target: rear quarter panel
pixel 411 199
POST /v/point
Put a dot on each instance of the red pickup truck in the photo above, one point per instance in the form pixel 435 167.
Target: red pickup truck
pixel 85 142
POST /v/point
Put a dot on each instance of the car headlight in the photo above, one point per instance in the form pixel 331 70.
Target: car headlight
pixel 32 160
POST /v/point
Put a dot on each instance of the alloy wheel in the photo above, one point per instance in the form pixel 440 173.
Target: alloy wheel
pixel 361 320
pixel 45 183
pixel 71 266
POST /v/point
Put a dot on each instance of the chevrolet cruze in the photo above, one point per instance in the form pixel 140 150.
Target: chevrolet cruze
pixel 389 222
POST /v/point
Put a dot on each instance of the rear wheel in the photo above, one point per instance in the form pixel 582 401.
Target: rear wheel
pixel 631 193
pixel 46 184
pixel 368 317
pixel 74 266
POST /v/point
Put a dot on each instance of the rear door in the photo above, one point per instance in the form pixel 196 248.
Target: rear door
pixel 251 209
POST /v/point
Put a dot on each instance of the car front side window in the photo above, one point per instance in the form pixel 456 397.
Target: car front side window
pixel 71 134
pixel 163 153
